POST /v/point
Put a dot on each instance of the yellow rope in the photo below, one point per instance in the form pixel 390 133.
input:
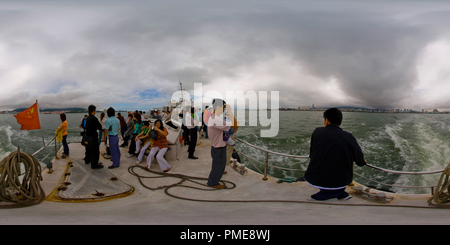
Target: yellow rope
pixel 440 197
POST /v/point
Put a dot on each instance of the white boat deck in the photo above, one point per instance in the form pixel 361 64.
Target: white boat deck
pixel 246 204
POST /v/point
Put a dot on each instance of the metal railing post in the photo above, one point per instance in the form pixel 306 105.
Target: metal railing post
pixel 56 151
pixel 266 166
pixel 18 154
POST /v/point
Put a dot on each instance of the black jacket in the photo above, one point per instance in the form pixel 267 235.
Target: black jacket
pixel 332 154
pixel 92 125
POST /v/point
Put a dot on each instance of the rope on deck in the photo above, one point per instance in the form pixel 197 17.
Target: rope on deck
pixel 182 178
pixel 440 197
pixel 196 180
pixel 20 189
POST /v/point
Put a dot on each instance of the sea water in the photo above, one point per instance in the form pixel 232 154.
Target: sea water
pixel 396 141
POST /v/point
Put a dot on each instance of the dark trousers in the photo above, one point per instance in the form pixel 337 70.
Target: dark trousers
pixel 92 155
pixel 192 141
pixel 219 159
pixel 114 148
pixel 132 147
pixel 65 145
pixel 205 129
pixel 323 194
pixel 185 134
pixel 125 141
pixel 122 131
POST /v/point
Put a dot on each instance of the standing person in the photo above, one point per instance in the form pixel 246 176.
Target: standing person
pixel 137 130
pixel 92 127
pixel 184 128
pixel 191 124
pixel 130 130
pixel 158 115
pixel 83 125
pixel 164 115
pixel 231 133
pixel 216 127
pixel 160 146
pixel 101 131
pixel 123 125
pixel 332 154
pixel 146 116
pixel 205 116
pixel 63 128
pixel 112 126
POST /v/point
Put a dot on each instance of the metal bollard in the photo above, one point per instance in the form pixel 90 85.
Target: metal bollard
pixel 380 196
pixel 358 190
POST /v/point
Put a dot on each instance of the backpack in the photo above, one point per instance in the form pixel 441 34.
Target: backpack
pixel 83 123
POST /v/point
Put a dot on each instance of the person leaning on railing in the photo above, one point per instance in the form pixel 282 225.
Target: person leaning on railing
pixel 63 128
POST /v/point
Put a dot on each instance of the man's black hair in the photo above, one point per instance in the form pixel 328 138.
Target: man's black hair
pixel 218 102
pixel 91 108
pixel 111 112
pixel 334 115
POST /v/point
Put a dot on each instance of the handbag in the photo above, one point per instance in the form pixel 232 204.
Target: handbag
pixel 153 134
pixel 87 141
pixel 226 137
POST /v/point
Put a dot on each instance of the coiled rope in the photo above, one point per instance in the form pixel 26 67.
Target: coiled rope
pixel 182 178
pixel 20 189
pixel 440 197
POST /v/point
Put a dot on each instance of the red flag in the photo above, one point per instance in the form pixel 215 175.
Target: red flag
pixel 29 118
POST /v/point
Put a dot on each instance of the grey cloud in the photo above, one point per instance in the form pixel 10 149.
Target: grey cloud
pixel 122 49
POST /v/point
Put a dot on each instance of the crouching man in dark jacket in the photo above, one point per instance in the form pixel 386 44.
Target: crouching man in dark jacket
pixel 333 152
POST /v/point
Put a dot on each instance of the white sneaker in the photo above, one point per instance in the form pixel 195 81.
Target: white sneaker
pixel 137 162
pixel 129 155
pixel 346 198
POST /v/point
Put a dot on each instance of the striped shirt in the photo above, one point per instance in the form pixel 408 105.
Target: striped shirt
pixel 161 141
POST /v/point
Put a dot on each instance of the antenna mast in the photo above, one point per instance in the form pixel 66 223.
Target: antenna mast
pixel 181 90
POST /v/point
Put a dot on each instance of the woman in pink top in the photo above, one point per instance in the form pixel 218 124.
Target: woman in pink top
pixel 216 127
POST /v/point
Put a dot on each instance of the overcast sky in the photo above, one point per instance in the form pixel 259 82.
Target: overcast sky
pixel 131 54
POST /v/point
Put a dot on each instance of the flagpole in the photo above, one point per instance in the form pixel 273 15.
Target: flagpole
pixel 42 132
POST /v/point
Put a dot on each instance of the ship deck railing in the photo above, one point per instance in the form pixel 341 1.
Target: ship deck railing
pixel 267 166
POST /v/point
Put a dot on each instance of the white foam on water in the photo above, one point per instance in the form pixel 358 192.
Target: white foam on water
pixel 6 147
pixel 423 147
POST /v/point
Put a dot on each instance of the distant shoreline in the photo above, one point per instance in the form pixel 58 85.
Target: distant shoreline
pixel 343 109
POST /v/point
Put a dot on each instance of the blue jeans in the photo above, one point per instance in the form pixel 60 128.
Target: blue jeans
pixel 100 136
pixel 114 148
pixel 65 145
pixel 122 131
pixel 219 159
pixel 205 129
